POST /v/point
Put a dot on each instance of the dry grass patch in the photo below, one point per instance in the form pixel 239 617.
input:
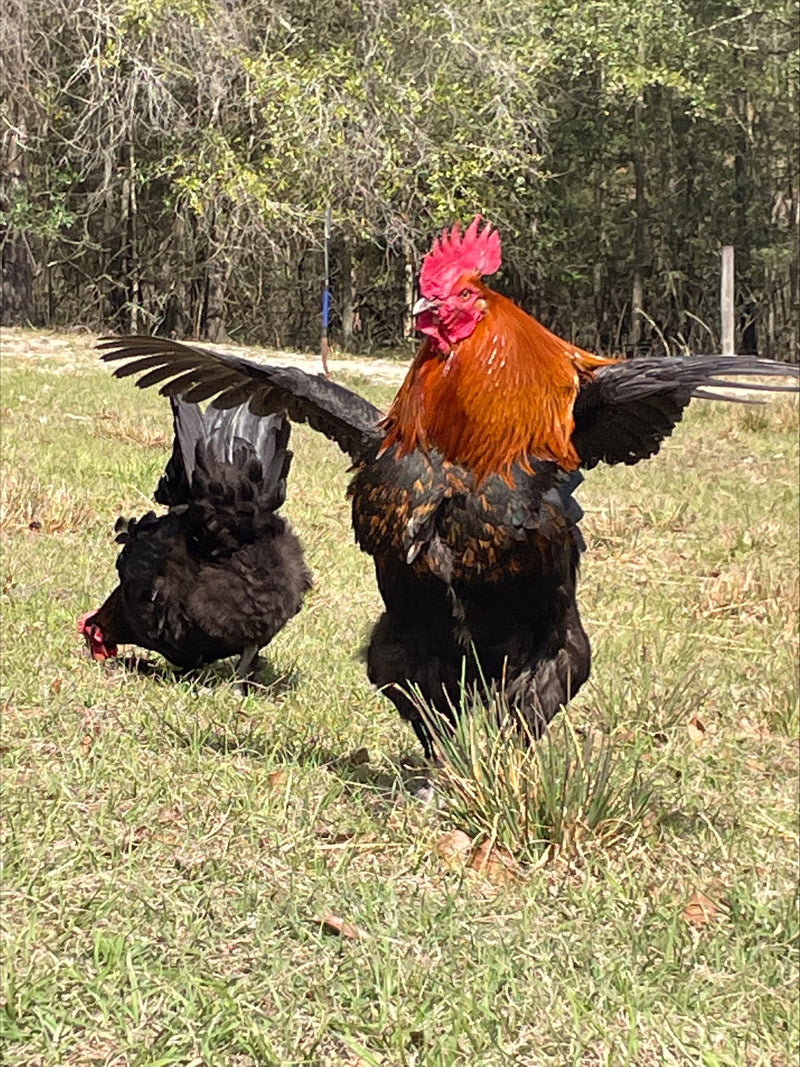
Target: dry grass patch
pixel 26 504
pixel 108 424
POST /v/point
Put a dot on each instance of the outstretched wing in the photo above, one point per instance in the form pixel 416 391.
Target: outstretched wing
pixel 624 412
pixel 197 374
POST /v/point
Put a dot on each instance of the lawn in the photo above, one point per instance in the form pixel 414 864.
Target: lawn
pixel 170 847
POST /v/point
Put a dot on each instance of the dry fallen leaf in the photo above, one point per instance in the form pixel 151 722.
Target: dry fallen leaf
pixel 698 732
pixel 56 684
pixel 332 838
pixel 749 728
pixel 277 779
pixel 495 864
pixel 455 848
pixel 169 813
pixel 87 743
pixel 334 924
pixel 701 910
pixel 136 837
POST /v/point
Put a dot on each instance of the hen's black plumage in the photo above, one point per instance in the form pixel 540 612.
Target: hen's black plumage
pixel 478 579
pixel 221 572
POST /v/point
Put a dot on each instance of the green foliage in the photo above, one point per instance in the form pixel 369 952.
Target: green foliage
pixel 601 139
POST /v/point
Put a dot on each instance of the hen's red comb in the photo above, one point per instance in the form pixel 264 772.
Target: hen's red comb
pixel 453 255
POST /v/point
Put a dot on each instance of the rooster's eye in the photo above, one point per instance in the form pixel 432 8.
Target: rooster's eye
pixel 465 294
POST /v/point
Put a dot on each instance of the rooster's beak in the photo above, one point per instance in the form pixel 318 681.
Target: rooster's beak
pixel 423 305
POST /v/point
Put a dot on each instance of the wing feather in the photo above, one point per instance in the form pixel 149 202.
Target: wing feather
pixel 199 374
pixel 624 412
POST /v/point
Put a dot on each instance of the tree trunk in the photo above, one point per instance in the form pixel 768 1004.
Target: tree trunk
pixel 16 267
pixel 348 302
pixel 598 183
pixel 212 322
pixel 132 246
pixel 638 222
pixel 177 317
pixel 408 302
pixel 746 311
pixel 123 264
pixel 215 307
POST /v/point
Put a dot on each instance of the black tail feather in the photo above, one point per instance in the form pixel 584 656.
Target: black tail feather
pixel 230 449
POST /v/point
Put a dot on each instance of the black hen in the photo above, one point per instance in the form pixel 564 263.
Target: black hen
pixel 221 572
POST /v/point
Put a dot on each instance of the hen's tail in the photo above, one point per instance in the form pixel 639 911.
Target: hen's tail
pixel 228 469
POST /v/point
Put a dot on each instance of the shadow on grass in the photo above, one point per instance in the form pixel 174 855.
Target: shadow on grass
pixel 268 681
pixel 405 771
pixel 355 772
pixel 686 823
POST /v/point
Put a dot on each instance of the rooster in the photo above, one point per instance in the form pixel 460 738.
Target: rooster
pixel 464 492
pixel 221 572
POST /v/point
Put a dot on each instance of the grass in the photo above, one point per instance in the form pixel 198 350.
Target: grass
pixel 170 848
pixel 567 795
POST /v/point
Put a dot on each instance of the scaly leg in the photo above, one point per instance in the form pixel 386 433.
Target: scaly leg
pixel 246 667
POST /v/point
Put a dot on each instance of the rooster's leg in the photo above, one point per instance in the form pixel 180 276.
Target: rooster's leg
pixel 425 738
pixel 246 667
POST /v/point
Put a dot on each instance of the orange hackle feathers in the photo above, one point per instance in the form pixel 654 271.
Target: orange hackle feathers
pixel 502 396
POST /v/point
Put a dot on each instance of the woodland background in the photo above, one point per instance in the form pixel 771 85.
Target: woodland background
pixel 166 164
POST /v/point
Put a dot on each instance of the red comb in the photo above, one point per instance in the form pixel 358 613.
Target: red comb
pixel 453 255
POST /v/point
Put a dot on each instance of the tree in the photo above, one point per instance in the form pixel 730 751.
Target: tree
pixel 167 163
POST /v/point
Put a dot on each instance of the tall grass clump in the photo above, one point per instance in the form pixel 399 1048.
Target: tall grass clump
pixel 562 794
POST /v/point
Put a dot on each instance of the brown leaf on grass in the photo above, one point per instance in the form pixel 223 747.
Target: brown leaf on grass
pixel 136 837
pixel 698 731
pixel 277 779
pixel 331 838
pixel 495 864
pixel 168 814
pixel 702 910
pixel 87 743
pixel 455 848
pixel 749 728
pixel 56 685
pixel 335 925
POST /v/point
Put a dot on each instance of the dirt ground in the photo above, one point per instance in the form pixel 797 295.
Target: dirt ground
pixel 77 348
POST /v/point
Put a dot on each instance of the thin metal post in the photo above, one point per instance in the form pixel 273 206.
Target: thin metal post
pixel 326 293
pixel 726 301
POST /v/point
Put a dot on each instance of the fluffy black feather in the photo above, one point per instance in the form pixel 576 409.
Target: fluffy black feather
pixel 478 583
pixel 221 572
